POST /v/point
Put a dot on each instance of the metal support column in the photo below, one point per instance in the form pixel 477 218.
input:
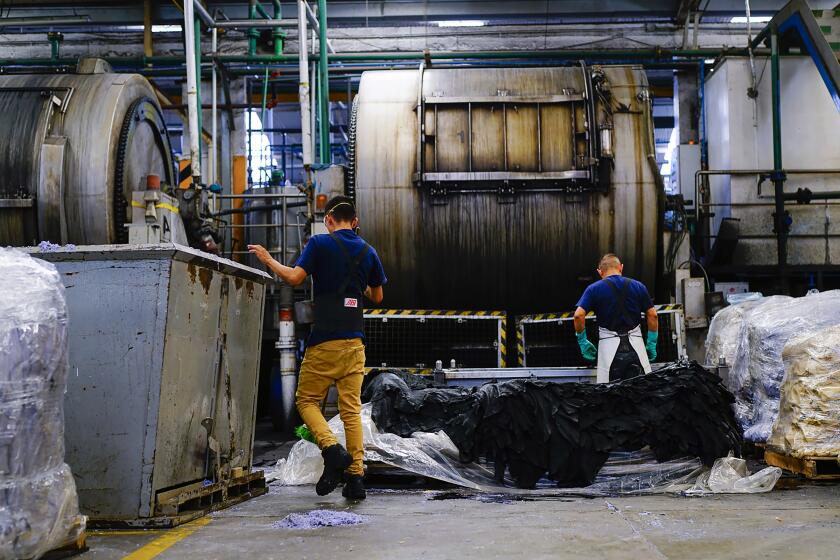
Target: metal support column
pixel 778 171
pixel 253 33
pixel 323 86
pixel 200 114
pixel 278 33
pixel 148 50
pixel 193 104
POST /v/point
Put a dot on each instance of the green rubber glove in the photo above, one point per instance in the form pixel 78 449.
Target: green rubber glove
pixel 587 349
pixel 303 432
pixel 650 346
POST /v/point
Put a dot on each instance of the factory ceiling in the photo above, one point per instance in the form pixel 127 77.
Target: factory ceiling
pixel 432 12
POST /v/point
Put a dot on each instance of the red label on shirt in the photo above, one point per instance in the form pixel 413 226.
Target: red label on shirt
pixel 351 302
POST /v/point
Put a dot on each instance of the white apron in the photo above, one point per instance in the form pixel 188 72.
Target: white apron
pixel 608 342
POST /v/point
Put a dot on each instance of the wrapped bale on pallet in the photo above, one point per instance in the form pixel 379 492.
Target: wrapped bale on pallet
pixel 39 508
pixel 758 369
pixel 809 411
pixel 727 333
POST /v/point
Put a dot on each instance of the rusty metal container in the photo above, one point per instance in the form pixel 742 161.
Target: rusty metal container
pixel 499 188
pixel 74 147
pixel 164 351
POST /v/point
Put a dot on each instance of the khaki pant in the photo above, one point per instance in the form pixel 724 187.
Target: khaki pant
pixel 341 362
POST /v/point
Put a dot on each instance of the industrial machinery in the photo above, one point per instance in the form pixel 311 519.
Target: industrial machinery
pixel 76 147
pixel 160 408
pixel 499 188
pixel 164 339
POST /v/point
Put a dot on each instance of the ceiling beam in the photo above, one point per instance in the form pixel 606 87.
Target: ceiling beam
pixel 683 8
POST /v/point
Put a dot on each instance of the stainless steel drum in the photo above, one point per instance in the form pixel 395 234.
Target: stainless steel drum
pixel 500 188
pixel 72 148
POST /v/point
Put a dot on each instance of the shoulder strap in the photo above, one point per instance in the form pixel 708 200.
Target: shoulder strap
pixel 352 262
pixel 621 298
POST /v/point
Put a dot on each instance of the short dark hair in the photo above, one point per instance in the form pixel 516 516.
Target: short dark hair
pixel 609 261
pixel 341 208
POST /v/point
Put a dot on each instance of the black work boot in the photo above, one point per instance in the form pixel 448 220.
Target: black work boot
pixel 336 459
pixel 354 487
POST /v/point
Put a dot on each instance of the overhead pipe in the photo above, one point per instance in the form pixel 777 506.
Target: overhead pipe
pixel 44 21
pixel 204 15
pixel 313 21
pixel 570 54
pixel 192 91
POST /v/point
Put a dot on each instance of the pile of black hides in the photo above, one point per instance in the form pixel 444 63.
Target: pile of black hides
pixel 564 431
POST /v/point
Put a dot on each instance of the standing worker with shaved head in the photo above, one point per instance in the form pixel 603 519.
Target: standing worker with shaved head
pixel 618 303
pixel 344 268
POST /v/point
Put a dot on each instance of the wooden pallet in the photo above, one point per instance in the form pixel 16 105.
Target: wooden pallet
pixel 815 468
pixel 184 504
pixel 72 546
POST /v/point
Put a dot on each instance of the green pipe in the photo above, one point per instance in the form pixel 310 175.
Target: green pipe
pixel 778 175
pixel 197 25
pixel 325 156
pixel 279 34
pixel 776 100
pixel 264 98
pixel 253 34
pixel 54 46
pixel 262 11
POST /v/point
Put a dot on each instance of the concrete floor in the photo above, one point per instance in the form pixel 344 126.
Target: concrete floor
pixel 802 522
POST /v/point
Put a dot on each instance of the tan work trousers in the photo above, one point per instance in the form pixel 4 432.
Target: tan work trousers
pixel 341 362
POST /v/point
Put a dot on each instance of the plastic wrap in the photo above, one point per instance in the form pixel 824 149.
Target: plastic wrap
pixel 724 334
pixel 758 366
pixel 435 456
pixel 735 299
pixel 808 424
pixel 38 503
pixel 729 475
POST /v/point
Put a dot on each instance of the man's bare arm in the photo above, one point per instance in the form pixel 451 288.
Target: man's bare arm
pixel 291 276
pixel 374 294
pixel 652 319
pixel 580 319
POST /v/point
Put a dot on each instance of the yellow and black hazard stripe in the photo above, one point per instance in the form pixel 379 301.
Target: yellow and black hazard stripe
pixel 541 317
pixel 414 370
pixel 433 313
pixel 503 342
pixel 164 205
pixel 520 344
pixel 184 174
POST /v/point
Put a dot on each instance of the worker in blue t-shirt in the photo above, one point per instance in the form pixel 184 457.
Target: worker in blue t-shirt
pixel 344 268
pixel 618 304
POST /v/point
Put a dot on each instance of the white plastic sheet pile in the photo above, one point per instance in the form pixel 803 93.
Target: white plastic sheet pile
pixel 435 456
pixel 809 411
pixel 729 475
pixel 38 503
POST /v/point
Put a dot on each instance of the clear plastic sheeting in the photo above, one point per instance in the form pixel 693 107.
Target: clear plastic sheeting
pixel 725 335
pixel 734 299
pixel 729 475
pixel 435 456
pixel 38 503
pixel 758 369
pixel 808 424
